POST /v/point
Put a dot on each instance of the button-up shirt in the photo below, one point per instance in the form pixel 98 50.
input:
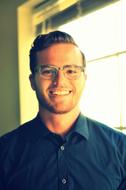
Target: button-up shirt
pixel 91 156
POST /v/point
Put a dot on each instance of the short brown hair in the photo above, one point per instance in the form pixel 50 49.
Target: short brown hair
pixel 44 41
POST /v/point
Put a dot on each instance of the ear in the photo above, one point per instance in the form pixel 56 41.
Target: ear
pixel 32 81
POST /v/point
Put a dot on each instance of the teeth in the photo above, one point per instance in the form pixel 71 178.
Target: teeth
pixel 60 92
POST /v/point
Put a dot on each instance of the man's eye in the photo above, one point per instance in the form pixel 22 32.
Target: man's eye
pixel 47 71
pixel 71 71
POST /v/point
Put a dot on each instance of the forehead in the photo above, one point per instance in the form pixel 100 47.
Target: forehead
pixel 62 52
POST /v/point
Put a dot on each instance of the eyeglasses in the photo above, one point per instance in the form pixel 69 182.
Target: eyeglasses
pixel 50 71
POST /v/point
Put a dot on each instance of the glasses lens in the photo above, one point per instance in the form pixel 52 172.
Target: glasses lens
pixel 72 71
pixel 47 72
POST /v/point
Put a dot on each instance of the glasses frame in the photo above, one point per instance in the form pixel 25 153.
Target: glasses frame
pixel 38 69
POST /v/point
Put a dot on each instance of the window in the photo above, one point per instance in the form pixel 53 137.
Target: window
pixel 49 15
pixel 104 94
pixel 101 35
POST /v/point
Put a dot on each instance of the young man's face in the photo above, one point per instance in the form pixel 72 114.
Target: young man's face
pixel 60 94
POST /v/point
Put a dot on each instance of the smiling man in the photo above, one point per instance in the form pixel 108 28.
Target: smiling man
pixel 61 149
pixel 58 80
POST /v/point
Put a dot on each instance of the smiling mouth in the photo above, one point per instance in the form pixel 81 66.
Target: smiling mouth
pixel 60 92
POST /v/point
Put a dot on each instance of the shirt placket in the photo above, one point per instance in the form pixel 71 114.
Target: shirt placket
pixel 62 168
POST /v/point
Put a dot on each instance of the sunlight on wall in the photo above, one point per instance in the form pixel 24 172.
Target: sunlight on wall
pixel 28 102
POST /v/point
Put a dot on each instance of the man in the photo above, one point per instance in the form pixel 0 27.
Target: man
pixel 61 149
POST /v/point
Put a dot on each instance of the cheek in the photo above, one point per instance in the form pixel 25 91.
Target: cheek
pixel 80 84
pixel 79 89
pixel 42 86
pixel 37 84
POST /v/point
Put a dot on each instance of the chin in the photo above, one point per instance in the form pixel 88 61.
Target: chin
pixel 57 108
pixel 60 110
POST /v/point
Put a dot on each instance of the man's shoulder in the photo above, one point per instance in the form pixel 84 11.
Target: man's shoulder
pixel 103 130
pixel 21 130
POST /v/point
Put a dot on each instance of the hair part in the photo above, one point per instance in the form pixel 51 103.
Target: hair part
pixel 44 41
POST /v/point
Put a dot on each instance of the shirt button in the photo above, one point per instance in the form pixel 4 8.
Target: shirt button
pixel 64 181
pixel 62 147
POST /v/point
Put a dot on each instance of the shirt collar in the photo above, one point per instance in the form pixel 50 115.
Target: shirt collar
pixel 34 129
pixel 81 127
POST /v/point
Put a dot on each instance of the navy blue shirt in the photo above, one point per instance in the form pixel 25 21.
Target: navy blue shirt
pixel 91 157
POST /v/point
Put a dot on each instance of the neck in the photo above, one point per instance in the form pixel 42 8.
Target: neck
pixel 59 123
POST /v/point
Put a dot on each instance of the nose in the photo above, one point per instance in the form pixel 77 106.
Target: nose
pixel 59 79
